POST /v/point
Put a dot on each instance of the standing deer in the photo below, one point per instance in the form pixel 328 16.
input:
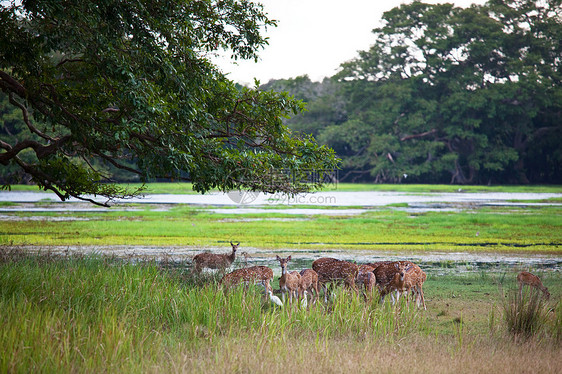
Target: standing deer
pixel 309 281
pixel 531 280
pixel 378 263
pixel 366 279
pixel 214 261
pixel 390 278
pixel 289 282
pixel 254 274
pixel 331 270
pixel 413 281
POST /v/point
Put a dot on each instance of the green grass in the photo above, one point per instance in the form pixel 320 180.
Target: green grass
pixel 71 314
pixel 187 188
pixel 86 314
pixel 535 229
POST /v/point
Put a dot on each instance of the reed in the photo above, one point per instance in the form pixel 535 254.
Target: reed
pixel 525 313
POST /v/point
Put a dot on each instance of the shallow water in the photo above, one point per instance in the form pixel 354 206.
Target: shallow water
pixel 431 262
pixel 328 198
pixel 434 263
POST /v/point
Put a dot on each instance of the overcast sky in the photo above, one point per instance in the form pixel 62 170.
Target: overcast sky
pixel 314 37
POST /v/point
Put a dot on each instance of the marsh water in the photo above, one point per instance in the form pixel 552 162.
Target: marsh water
pixel 460 261
pixel 243 200
pixel 434 263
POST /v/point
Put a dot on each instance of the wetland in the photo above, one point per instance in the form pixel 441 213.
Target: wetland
pixel 86 287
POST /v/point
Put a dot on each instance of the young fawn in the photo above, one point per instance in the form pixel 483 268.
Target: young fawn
pixel 309 282
pixel 214 261
pixel 289 282
pixel 255 274
pixel 413 282
pixel 531 280
pixel 331 270
pixel 366 279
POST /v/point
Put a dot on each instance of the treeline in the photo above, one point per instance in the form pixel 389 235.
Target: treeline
pixel 446 95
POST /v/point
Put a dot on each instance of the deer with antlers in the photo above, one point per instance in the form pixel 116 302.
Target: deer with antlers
pixel 289 282
pixel 214 261
pixel 252 275
pixel 528 279
pixel 333 271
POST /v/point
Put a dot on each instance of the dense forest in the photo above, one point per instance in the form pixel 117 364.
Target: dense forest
pixel 446 95
pixel 443 95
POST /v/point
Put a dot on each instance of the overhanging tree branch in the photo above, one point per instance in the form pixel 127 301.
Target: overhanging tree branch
pixel 423 134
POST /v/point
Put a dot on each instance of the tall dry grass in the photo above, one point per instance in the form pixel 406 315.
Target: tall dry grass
pixel 82 314
pixel 525 313
pixel 412 354
pixel 97 314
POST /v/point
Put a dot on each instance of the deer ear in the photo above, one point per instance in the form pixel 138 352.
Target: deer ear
pixel 238 244
pixel 231 243
pixel 278 258
pixel 288 258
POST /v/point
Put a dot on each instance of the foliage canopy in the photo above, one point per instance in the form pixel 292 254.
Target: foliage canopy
pixel 129 85
pixel 447 94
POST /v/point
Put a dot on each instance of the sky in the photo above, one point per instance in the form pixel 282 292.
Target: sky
pixel 314 37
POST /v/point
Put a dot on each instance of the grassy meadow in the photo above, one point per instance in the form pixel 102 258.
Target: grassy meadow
pixel 530 229
pixel 92 313
pixel 100 314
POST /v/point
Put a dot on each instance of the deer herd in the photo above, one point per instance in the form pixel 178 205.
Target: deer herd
pixel 388 277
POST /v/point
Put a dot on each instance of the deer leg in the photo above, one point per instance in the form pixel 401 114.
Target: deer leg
pixel 397 297
pixel 382 298
pixel 316 291
pixel 422 297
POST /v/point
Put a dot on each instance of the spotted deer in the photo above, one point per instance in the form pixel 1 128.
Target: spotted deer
pixel 255 274
pixel 332 271
pixel 413 282
pixel 366 280
pixel 378 263
pixel 390 280
pixel 418 278
pixel 214 261
pixel 309 282
pixel 289 282
pixel 400 277
pixel 528 279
